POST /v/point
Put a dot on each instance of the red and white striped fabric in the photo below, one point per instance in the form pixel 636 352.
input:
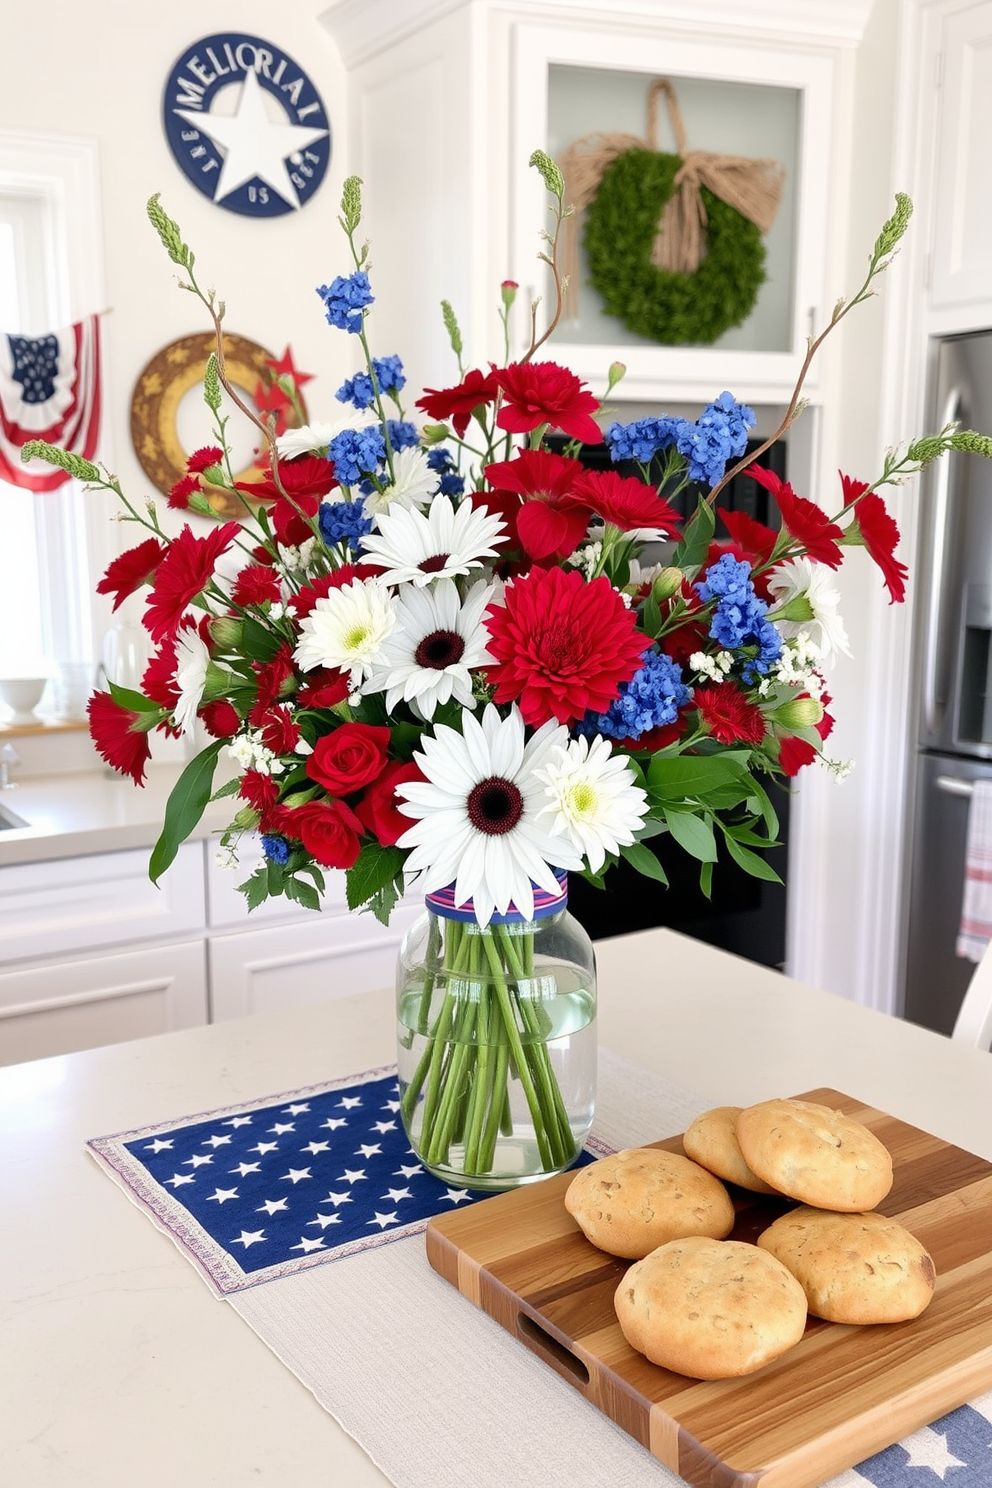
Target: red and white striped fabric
pixel 49 389
pixel 975 930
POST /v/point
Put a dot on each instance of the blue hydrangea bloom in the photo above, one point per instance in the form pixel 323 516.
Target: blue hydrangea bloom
pixel 651 698
pixel 276 849
pixel 718 436
pixel 344 300
pixel 439 459
pixel 359 390
pixel 343 521
pixel 739 618
pixel 643 439
pixel 389 373
pixel 355 452
pixel 402 435
pixel 451 484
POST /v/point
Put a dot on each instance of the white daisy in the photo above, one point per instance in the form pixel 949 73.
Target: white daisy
pixel 313 439
pixel 414 482
pixel 477 814
pixel 437 641
pixel 798 580
pixel 347 630
pixel 594 798
pixel 416 548
pixel 192 660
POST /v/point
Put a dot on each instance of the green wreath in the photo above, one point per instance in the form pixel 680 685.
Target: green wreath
pixel 671 308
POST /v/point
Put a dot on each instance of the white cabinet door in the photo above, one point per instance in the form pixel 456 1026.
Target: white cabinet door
pixel 962 255
pixel 284 966
pixel 65 1006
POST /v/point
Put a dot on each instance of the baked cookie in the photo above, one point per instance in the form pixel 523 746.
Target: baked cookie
pixel 635 1200
pixel 814 1154
pixel 711 1141
pixel 712 1309
pixel 854 1268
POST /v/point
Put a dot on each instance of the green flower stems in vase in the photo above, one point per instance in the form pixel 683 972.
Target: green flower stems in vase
pixel 490 1029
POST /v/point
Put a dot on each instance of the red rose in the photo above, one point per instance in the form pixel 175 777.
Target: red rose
pixel 377 809
pixel 349 758
pixel 329 830
pixel 220 719
pixel 324 688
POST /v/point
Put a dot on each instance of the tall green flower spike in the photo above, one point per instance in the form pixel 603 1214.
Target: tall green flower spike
pixel 351 203
pixel 211 383
pixel 550 173
pixel 169 233
pixel 74 465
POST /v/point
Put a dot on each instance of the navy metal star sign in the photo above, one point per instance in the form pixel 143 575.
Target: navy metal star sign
pixel 246 125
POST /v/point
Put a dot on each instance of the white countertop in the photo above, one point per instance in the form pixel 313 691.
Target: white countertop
pixel 119 1368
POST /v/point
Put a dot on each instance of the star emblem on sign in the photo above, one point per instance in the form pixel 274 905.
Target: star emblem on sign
pixel 246 125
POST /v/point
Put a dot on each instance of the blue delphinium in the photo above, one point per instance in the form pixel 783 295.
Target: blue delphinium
pixel 738 622
pixel 345 298
pixel 356 452
pixel 402 435
pixel 359 389
pixel 718 436
pixel 451 483
pixel 343 522
pixel 276 849
pixel 651 698
pixel 642 439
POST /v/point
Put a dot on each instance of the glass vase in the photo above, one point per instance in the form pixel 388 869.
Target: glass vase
pixel 496 1041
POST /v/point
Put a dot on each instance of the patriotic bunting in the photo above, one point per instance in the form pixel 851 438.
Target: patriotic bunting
pixel 49 389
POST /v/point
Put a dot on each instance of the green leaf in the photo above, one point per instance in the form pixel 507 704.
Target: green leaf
pixel 256 888
pixel 134 702
pixel 384 901
pixel 706 880
pixel 260 643
pixel 693 833
pixel 302 893
pixel 229 788
pixel 763 804
pixel 184 808
pixel 644 860
pixel 680 777
pixel 750 862
pixel 375 867
pixel 691 551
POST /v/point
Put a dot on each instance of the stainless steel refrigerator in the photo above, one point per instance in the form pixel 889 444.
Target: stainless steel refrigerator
pixel 954 677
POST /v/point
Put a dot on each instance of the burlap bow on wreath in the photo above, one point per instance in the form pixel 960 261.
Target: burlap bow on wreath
pixel 744 195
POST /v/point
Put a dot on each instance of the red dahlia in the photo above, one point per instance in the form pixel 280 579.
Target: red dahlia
pixel 536 393
pixel 552 520
pixel 132 569
pixel 627 503
pixel 182 574
pixel 878 532
pixel 112 729
pixel 729 715
pixel 561 646
pixel 806 522
pixel 459 403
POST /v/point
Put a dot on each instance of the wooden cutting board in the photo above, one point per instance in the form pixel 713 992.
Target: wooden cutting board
pixel 841 1394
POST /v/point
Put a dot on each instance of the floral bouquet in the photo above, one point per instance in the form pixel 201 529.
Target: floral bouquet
pixel 434 652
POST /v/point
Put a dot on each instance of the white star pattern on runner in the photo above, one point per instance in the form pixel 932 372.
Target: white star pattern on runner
pixel 295 1175
pixel 339 1198
pixel 217 1141
pixel 263 1147
pixel 243 1168
pixel 369 1149
pixel 157 1146
pixel 351 1175
pixel 324 1220
pixel 254 145
pixel 932 1452
pixel 384 1126
pixel 179 1178
pixel 382 1220
pixel 391 1105
pixel 306 1245
pixel 223 1194
pixel 237 1121
pixel 249 1237
pixel 456 1195
pixel 333 1122
pixel 316 1147
pixel 298 1109
pixel 281 1127
pixel 272 1206
pixel 198 1159
pixel 350 1102
pixel 395 1194
pixel 409 1172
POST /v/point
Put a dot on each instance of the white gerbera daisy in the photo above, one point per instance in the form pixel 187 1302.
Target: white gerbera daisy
pixel 313 439
pixel 416 548
pixel 347 630
pixel 413 483
pixel 437 641
pixel 192 660
pixel 798 580
pixel 478 813
pixel 594 798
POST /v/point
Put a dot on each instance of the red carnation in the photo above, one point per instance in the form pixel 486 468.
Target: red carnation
pixel 627 503
pixel 459 403
pixel 203 459
pixel 879 533
pixel 806 522
pixel 260 791
pixel 279 732
pixel 179 494
pixel 255 584
pixel 350 757
pixel 182 574
pixel 551 522
pixel 537 393
pixel 729 715
pixel 220 719
pixel 329 830
pixel 561 646
pixel 112 729
pixel 377 809
pixel 306 479
pixel 132 569
pixel 324 687
pixel 303 603
pixel 159 680
pixel 271 676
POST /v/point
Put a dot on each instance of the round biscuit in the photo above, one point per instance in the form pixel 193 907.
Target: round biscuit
pixel 637 1199
pixel 854 1268
pixel 711 1141
pixel 818 1156
pixel 711 1309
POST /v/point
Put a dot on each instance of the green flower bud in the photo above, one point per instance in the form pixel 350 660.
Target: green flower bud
pixel 508 291
pixel 351 203
pixel 452 328
pixel 797 713
pixel 198 503
pixel 434 434
pixel 74 465
pixel 226 632
pixel 894 228
pixel 617 372
pixel 550 173
pixel 667 584
pixel 169 234
pixel 247 819
pixel 211 383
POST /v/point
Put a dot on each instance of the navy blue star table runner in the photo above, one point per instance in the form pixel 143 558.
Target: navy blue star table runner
pixel 265 1189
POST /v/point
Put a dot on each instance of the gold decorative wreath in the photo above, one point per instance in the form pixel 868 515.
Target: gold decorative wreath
pixel 160 389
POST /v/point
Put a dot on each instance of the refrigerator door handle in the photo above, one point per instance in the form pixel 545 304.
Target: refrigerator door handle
pixel 941 503
pixel 953 785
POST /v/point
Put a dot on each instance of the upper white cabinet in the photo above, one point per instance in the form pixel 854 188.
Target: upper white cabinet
pixel 452 208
